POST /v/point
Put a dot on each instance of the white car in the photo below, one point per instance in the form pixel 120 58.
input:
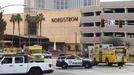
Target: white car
pixel 73 61
pixel 16 64
pixel 47 55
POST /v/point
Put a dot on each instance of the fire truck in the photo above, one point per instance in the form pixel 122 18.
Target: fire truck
pixel 12 50
pixel 34 53
pixel 107 53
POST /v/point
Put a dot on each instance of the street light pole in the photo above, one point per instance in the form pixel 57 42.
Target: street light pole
pixel 12 5
pixel 9 6
pixel 76 43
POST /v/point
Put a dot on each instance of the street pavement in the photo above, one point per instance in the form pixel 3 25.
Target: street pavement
pixel 102 69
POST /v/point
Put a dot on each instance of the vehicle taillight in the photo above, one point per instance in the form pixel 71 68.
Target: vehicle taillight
pixel 113 59
pixel 50 65
pixel 127 59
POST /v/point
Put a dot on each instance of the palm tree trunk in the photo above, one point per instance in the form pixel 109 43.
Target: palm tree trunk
pixel 29 39
pixel 13 34
pixel 29 35
pixel 40 34
pixel 19 34
pixel 38 40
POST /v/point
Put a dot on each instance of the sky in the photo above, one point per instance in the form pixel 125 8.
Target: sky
pixel 19 9
pixel 12 9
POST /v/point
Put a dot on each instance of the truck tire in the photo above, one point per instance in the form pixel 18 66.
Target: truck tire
pixel 107 61
pixel 64 66
pixel 120 64
pixel 35 72
pixel 110 64
pixel 95 62
pixel 87 65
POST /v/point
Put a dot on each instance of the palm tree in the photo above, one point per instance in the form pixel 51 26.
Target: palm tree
pixel 34 20
pixel 28 20
pixel 41 18
pixel 19 19
pixel 13 20
pixel 37 24
pixel 2 29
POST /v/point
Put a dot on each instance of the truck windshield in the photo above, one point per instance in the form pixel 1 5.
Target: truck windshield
pixel 120 50
pixel 36 51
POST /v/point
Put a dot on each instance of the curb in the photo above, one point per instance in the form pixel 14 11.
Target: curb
pixel 130 64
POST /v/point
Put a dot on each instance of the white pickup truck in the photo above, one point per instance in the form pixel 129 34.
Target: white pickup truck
pixel 15 64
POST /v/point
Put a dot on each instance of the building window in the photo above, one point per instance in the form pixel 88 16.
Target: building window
pixel 97 34
pixel 89 2
pixel 130 22
pixel 62 7
pixel 32 28
pixel 62 2
pixel 58 2
pixel 119 34
pixel 40 3
pixel 119 10
pixel 85 2
pixel 98 13
pixel 57 7
pixel 108 10
pixel 97 23
pixel 112 10
pixel 88 34
pixel 88 14
pixel 109 34
pixel 88 24
pixel 131 35
pixel 130 10
pixel 66 4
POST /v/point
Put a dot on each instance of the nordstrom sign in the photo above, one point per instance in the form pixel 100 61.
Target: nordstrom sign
pixel 64 19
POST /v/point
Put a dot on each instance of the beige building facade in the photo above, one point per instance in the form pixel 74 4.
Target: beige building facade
pixel 9 27
pixel 82 26
pixel 59 26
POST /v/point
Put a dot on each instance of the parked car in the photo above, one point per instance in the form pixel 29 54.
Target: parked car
pixel 73 61
pixel 47 55
pixel 64 54
pixel 16 64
